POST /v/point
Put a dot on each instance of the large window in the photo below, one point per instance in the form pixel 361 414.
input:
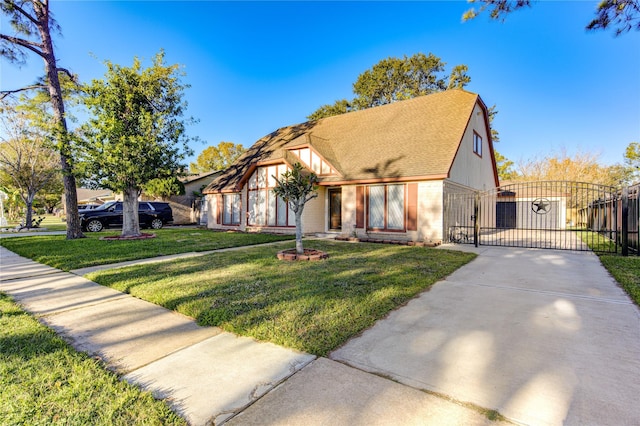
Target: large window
pixel 387 207
pixel 231 209
pixel 477 144
pixel 264 207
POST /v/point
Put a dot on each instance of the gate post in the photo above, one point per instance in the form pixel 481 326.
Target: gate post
pixel 476 222
pixel 625 221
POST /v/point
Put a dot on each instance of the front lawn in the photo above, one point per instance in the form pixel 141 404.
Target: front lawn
pixel 45 381
pixel 626 270
pixel 310 306
pixel 57 251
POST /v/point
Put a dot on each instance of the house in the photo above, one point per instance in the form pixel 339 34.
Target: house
pixel 383 172
pixel 93 196
pixel 194 184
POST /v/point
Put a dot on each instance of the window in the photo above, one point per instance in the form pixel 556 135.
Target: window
pixel 231 209
pixel 313 161
pixel 387 207
pixel 264 207
pixel 477 144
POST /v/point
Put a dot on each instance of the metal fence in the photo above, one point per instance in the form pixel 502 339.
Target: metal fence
pixel 557 215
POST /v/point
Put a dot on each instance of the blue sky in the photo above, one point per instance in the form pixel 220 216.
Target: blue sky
pixel 256 66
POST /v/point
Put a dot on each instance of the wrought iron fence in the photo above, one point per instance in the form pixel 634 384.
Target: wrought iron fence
pixel 552 214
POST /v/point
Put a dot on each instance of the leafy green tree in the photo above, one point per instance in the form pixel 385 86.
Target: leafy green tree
pixel 394 79
pixel 339 107
pixel 27 161
pixel 505 166
pixel 137 132
pixel 217 157
pixel 459 77
pixel 32 27
pixel 164 188
pixel 621 15
pixel 296 187
pixel 632 162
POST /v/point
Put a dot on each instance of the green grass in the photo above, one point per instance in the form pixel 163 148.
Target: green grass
pixel 625 270
pixel 45 381
pixel 310 306
pixel 57 251
pixel 50 223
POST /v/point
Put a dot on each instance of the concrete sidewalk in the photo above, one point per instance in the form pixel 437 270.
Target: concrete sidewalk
pixel 545 337
pixel 207 375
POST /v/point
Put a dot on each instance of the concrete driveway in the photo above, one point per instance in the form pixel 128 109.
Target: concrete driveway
pixel 545 337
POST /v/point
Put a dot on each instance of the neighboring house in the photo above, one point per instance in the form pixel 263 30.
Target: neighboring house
pixel 196 183
pixel 382 171
pixel 94 196
pixel 187 208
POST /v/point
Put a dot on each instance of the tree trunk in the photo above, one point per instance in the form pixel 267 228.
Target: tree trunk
pixel 130 219
pixel 55 92
pixel 298 212
pixel 28 217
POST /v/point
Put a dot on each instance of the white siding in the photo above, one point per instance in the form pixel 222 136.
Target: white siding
pixel 468 168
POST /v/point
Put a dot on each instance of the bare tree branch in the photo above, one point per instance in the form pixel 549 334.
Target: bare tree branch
pixel 24 43
pixel 5 93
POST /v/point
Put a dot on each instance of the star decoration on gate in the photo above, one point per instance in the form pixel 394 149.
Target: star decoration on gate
pixel 541 206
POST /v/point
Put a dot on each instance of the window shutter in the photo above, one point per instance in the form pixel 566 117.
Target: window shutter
pixel 359 206
pixel 219 207
pixel 412 207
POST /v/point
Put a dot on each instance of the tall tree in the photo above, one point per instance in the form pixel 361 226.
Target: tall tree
pixel 506 172
pixel 217 157
pixel 394 79
pixel 620 15
pixel 137 132
pixel 297 187
pixel 27 161
pixel 32 23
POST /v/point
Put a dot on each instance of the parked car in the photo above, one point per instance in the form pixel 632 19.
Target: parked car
pixel 151 215
pixel 82 207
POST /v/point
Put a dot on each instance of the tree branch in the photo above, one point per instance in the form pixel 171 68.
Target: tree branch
pixel 24 43
pixel 71 76
pixel 5 93
pixel 22 11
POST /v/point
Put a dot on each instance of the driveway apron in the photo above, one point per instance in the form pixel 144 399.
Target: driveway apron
pixel 545 337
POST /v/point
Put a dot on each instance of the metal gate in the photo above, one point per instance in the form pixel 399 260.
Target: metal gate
pixel 557 215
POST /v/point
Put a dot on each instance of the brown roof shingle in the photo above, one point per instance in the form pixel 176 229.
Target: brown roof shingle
pixel 416 137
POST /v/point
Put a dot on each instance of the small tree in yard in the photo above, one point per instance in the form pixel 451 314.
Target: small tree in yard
pixel 296 188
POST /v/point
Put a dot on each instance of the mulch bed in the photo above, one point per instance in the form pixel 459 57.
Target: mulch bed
pixel 309 254
pixel 142 236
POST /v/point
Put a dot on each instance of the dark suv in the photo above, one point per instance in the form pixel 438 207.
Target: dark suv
pixel 151 214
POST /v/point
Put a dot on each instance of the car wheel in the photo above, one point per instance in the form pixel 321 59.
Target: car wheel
pixel 156 223
pixel 94 225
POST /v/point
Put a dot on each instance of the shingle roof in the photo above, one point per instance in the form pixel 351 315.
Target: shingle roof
pixel 418 137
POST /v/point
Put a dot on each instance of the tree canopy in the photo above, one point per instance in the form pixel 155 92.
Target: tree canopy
pixel 164 188
pixel 217 157
pixel 620 15
pixel 27 161
pixel 394 79
pixel 137 131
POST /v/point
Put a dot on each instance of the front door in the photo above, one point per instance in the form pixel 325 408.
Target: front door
pixel 335 208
